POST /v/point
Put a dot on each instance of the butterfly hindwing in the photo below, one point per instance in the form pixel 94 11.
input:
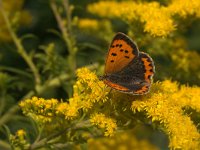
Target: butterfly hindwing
pixel 121 52
pixel 146 73
pixel 135 78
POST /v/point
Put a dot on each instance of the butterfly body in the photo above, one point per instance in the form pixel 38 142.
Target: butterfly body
pixel 127 69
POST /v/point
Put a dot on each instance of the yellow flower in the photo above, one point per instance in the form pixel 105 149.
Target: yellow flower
pixel 185 7
pixel 166 106
pixel 19 141
pixel 158 20
pixel 21 133
pixel 183 61
pixel 108 124
pixel 88 24
pixel 39 108
pixel 88 90
pixel 120 141
pixel 108 8
pixel 17 16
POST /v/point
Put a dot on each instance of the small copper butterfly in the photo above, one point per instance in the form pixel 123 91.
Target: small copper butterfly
pixel 127 69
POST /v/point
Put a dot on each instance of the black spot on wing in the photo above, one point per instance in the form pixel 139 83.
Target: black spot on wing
pixel 112 46
pixel 122 36
pixel 126 56
pixel 114 54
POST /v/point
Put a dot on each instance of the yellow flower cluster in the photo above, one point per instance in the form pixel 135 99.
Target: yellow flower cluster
pixel 88 90
pixel 21 134
pixel 18 16
pixel 108 8
pixel 157 19
pixel 108 124
pixel 185 7
pixel 183 61
pixel 39 109
pixel 18 141
pixel 69 110
pixel 101 28
pixel 166 105
pixel 120 141
pixel 88 24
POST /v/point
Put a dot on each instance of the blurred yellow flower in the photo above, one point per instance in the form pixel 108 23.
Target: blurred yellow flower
pixel 88 24
pixel 158 20
pixel 13 9
pixel 182 60
pixel 121 141
pixel 18 141
pixel 20 133
pixel 185 7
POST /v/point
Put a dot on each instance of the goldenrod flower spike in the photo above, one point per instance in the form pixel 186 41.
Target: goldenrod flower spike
pixel 166 106
pixel 158 20
pixel 109 125
pixel 165 103
pixel 18 141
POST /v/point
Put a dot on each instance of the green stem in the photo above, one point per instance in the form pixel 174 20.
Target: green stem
pixel 52 83
pixel 20 47
pixel 2 101
pixel 5 145
pixel 68 12
pixel 43 142
pixel 9 114
pixel 59 21
pixel 16 71
pixel 66 33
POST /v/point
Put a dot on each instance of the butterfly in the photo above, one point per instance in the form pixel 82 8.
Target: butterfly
pixel 126 68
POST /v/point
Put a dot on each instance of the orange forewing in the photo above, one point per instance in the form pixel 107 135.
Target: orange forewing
pixel 120 54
